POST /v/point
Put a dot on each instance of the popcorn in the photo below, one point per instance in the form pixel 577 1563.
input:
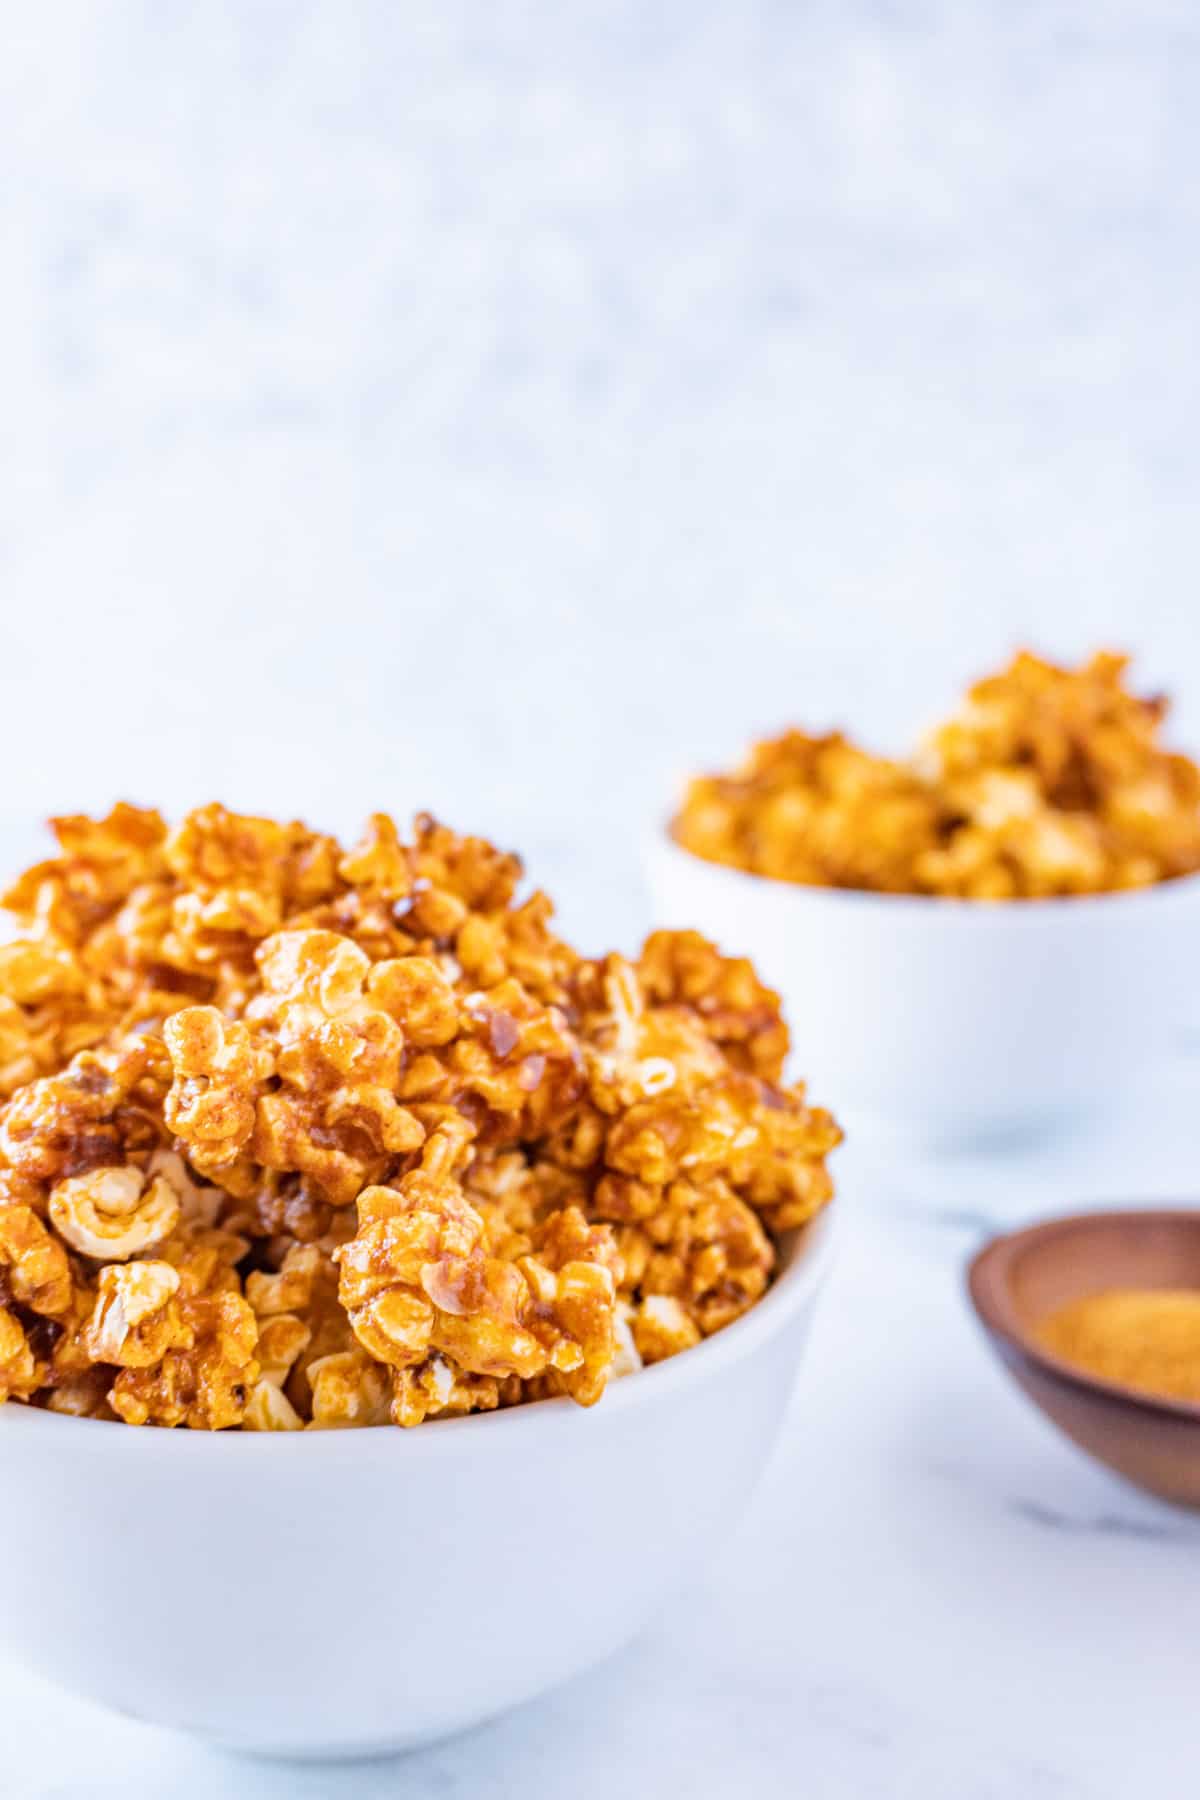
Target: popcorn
pixel 81 1396
pixel 295 1207
pixel 1047 782
pixel 219 1075
pixel 737 1011
pixel 283 1336
pixel 418 1280
pixel 199 1204
pixel 349 1388
pixel 21 1055
pixel 306 1285
pixel 335 1116
pixel 37 1291
pixel 115 1213
pixel 33 970
pixel 438 1389
pixel 184 1361
pixel 290 1290
pixel 34 1267
pixel 104 1104
pixel 573 1272
pixel 301 1138
pixel 269 1409
pixel 101 862
pixel 203 1384
pixel 699 1244
pixel 20 1373
pixel 663 1327
pixel 136 1320
pixel 280 1342
pixel 627 1358
pixel 817 811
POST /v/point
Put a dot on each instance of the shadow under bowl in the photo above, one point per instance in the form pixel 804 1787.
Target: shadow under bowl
pixel 1018 1279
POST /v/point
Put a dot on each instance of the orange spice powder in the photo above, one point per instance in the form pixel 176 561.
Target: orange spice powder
pixel 1141 1337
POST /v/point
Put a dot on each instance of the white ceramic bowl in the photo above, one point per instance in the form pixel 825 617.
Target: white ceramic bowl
pixel 352 1593
pixel 958 1019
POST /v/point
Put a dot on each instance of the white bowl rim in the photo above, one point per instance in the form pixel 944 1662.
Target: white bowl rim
pixel 1159 893
pixel 806 1258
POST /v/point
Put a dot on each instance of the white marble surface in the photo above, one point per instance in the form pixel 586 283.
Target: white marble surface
pixel 496 408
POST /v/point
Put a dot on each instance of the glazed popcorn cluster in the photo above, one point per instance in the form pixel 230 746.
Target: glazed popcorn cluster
pixel 1047 781
pixel 298 1136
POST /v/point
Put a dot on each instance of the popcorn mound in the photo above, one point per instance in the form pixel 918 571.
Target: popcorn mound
pixel 299 1137
pixel 1047 782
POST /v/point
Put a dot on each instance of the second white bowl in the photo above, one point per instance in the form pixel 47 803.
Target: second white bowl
pixel 955 1018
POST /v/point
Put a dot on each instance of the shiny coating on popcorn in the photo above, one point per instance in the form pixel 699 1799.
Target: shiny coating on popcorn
pixel 295 1136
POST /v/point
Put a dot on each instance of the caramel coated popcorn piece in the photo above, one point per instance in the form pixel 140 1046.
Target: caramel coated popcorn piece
pixel 269 1409
pixel 574 1271
pixel 136 1319
pixel 240 877
pixel 694 1168
pixel 338 1055
pixel 699 1244
pixel 301 1138
pixel 418 1280
pixel 35 1267
pixel 80 1396
pixel 102 1105
pixel 737 1011
pixel 283 1336
pixel 349 1388
pixel 204 1376
pixel 438 1390
pixel 34 970
pixel 21 1056
pixel 219 1075
pixel 36 1287
pixel 305 1286
pixel 21 1374
pixel 378 866
pixel 817 811
pixel 100 863
pixel 115 1213
pixel 280 1341
pixel 663 1327
pixel 1059 785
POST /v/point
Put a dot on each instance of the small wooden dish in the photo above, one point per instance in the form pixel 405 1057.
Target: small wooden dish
pixel 1017 1280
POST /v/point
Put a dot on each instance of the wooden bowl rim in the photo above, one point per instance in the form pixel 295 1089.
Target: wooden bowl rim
pixel 988 1285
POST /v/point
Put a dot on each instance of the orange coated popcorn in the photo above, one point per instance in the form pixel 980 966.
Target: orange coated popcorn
pixel 1047 782
pixel 298 1137
pixel 817 811
pixel 36 1289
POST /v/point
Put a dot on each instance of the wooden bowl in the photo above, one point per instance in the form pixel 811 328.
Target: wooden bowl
pixel 1016 1280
